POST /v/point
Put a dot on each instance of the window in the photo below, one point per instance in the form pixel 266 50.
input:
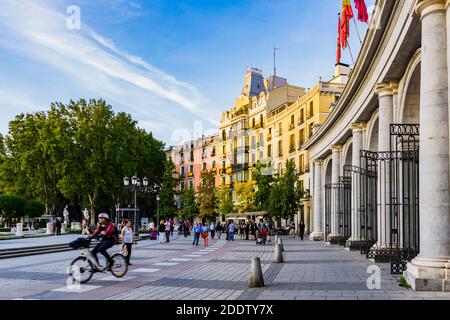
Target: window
pixel 302 116
pixel 301 139
pixel 301 164
pixel 280 148
pixel 191 184
pixel 292 143
pixel 311 109
pixel 224 135
pixel 310 130
pixel 280 128
pixel 261 139
pixel 261 120
pixel 253 158
pixel 292 119
pixel 182 171
pixel 191 168
pixel 269 150
pixel 204 166
pixel 213 165
pixel 192 156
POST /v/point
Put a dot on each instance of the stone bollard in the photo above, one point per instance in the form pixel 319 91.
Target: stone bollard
pixel 278 254
pixel 49 228
pixel 19 229
pixel 256 277
pixel 280 242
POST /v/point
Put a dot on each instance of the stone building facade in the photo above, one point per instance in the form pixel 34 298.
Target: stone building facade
pixel 380 161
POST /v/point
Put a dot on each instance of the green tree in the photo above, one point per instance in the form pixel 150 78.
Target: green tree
pixel 285 193
pixel 263 179
pixel 78 152
pixel 189 207
pixel 33 208
pixel 245 196
pixel 167 193
pixel 206 195
pixel 224 201
pixel 11 206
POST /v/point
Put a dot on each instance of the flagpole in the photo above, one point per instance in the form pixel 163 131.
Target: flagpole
pixel 350 50
pixel 357 30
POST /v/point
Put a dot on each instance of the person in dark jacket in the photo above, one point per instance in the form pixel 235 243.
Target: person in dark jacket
pixel 301 227
pixel 58 226
pixel 108 238
pixel 161 231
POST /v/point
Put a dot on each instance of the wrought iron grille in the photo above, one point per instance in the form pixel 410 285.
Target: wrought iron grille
pixel 404 202
pixel 368 200
pixel 328 188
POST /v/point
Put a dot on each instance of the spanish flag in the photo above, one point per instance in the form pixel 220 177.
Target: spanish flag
pixel 363 15
pixel 347 15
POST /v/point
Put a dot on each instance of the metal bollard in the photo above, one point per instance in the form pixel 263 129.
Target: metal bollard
pixel 278 254
pixel 256 277
pixel 280 242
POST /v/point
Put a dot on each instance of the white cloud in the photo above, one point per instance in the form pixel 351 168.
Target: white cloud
pixel 38 31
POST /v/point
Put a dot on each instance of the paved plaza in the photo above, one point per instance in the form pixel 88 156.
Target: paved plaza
pixel 180 271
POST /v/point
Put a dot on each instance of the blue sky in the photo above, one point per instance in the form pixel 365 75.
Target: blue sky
pixel 174 65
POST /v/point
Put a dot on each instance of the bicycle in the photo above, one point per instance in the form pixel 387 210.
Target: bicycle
pixel 83 267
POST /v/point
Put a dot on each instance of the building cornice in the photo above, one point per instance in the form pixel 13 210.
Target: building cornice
pixel 426 7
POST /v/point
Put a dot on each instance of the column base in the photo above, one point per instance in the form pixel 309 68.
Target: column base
pixel 428 275
pixel 379 254
pixel 355 244
pixel 336 239
pixel 316 236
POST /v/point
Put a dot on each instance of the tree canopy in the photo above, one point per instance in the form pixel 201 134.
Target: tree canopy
pixel 77 152
pixel 206 195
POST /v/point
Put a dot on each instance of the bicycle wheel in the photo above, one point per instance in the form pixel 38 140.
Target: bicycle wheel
pixel 120 265
pixel 81 270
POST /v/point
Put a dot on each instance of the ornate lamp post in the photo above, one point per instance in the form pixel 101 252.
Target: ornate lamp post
pixel 157 209
pixel 136 185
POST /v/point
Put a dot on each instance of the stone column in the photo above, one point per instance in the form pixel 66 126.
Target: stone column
pixel 318 234
pixel 306 214
pixel 428 271
pixel 335 173
pixel 357 146
pixel 385 92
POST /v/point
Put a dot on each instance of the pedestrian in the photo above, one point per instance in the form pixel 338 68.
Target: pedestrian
pixel 226 229
pixel 253 229
pixel 247 230
pixel 219 230
pixel 161 231
pixel 212 229
pixel 301 228
pixel 205 234
pixel 58 226
pixel 197 229
pixel 292 230
pixel 127 239
pixel 167 231
pixel 185 229
pixel 172 226
pixel 231 230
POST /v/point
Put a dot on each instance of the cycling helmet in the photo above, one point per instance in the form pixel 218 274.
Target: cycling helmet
pixel 103 215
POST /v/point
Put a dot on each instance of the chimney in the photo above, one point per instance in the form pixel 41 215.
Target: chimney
pixel 341 73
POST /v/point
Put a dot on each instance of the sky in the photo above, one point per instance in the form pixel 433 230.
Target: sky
pixel 174 65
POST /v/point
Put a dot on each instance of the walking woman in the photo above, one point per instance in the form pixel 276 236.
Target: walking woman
pixel 161 231
pixel 168 229
pixel 127 239
pixel 205 234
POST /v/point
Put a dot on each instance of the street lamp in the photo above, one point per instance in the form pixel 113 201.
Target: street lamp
pixel 135 187
pixel 157 209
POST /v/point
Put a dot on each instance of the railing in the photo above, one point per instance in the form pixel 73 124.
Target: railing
pixel 292 149
pixel 291 126
pixel 300 122
pixel 309 116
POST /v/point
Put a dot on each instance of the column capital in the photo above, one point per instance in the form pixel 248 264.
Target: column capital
pixel 386 89
pixel 318 162
pixel 336 147
pixel 358 126
pixel 426 7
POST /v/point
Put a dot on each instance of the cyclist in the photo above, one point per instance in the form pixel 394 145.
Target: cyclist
pixel 108 238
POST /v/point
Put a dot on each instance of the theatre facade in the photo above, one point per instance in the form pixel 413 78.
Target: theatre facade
pixel 380 161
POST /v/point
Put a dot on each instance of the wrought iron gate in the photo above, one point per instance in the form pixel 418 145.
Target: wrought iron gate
pixel 404 195
pixel 368 200
pixel 327 211
pixel 344 207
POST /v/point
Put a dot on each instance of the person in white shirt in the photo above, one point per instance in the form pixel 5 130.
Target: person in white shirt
pixel 127 239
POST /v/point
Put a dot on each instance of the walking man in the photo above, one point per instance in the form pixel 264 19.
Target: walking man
pixel 231 230
pixel 197 229
pixel 58 226
pixel 292 230
pixel 301 227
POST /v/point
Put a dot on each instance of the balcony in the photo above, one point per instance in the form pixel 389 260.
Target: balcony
pixel 300 122
pixel 213 154
pixel 190 174
pixel 291 126
pixel 309 116
pixel 306 194
pixel 292 148
pixel 269 137
pixel 182 175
